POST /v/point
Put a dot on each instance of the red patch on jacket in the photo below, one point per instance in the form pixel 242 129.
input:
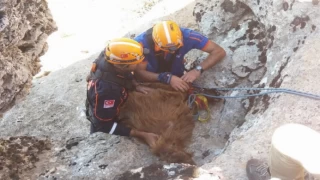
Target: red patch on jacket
pixel 108 103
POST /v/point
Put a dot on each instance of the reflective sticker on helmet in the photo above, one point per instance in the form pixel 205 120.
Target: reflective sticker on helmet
pixel 124 55
pixel 112 56
pixel 166 30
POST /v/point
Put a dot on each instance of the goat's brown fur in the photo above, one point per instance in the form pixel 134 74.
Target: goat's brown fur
pixel 165 112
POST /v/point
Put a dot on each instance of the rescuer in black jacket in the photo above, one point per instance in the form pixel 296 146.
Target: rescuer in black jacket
pixel 109 80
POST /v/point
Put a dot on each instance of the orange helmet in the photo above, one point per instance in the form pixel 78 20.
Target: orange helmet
pixel 167 36
pixel 124 51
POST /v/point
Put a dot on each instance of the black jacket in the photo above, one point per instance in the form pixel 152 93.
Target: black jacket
pixel 106 92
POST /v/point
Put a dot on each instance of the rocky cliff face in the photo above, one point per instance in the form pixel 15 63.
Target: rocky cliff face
pixel 24 29
pixel 269 44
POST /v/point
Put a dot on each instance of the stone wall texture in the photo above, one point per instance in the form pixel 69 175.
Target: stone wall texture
pixel 24 29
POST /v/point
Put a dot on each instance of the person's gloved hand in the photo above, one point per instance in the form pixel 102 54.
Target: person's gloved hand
pixel 178 84
pixel 190 76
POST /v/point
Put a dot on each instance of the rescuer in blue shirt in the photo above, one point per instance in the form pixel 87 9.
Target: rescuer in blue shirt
pixel 166 44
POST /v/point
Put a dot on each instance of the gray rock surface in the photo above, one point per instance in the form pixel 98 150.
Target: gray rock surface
pixel 24 29
pixel 57 111
pixel 253 138
pixel 289 60
pixel 19 154
pixel 269 44
pixel 97 156
pixel 169 172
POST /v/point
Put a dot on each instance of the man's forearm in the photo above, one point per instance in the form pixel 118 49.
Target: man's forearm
pixel 147 76
pixel 213 59
pixel 216 54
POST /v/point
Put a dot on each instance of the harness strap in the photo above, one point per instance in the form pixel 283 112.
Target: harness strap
pixel 109 77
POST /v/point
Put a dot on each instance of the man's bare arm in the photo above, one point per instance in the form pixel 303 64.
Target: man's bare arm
pixel 216 54
pixel 142 74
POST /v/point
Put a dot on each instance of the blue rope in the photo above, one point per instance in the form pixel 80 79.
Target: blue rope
pixel 192 96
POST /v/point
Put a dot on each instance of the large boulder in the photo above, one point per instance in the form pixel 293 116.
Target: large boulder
pixel 269 44
pixel 24 29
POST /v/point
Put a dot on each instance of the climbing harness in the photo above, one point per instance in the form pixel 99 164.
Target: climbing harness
pixel 198 100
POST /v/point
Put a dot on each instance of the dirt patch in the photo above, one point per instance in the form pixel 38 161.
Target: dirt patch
pixel 230 7
pixel 19 154
pixel 302 21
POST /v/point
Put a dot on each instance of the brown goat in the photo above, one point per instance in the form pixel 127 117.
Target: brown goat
pixel 165 112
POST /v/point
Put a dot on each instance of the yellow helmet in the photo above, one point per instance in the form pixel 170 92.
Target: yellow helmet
pixel 124 51
pixel 167 36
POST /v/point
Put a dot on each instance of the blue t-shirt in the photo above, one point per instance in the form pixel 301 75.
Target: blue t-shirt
pixel 191 40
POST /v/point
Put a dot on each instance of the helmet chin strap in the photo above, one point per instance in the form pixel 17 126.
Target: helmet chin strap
pixel 122 68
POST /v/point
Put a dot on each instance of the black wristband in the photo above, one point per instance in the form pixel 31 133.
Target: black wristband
pixel 165 77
